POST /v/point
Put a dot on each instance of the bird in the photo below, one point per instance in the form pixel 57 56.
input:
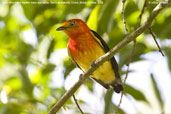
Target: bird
pixel 85 46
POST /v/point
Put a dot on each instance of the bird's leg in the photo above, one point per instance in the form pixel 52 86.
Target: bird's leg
pixel 81 77
pixel 93 64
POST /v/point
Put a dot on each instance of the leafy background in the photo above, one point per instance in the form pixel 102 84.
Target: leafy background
pixel 35 70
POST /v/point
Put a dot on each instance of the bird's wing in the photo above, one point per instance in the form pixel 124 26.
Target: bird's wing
pixel 106 49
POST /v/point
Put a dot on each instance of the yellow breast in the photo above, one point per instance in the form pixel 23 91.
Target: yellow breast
pixel 84 58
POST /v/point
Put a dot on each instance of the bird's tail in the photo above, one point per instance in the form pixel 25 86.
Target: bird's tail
pixel 117 87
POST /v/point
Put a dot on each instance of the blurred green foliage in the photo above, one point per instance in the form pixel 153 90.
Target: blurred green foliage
pixel 26 68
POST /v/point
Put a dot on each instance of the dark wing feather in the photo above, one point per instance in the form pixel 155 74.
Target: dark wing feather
pixel 116 84
pixel 106 48
pixel 101 83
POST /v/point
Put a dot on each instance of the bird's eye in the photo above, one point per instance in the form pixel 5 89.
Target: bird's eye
pixel 72 23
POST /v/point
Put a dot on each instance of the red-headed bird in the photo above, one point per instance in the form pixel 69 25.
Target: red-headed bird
pixel 84 47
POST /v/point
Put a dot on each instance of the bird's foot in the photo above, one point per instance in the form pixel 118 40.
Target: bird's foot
pixel 81 77
pixel 93 64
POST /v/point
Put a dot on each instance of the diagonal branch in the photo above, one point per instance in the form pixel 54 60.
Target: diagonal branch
pixel 108 55
pixel 142 12
pixel 154 37
pixel 123 16
pixel 78 106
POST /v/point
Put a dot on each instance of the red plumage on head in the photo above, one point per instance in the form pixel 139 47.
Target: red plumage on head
pixel 79 28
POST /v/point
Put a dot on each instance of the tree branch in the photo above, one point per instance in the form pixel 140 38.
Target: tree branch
pixel 107 56
pixel 154 37
pixel 123 16
pixel 142 12
pixel 78 106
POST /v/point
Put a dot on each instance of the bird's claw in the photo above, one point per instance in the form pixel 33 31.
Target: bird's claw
pixel 81 77
pixel 93 64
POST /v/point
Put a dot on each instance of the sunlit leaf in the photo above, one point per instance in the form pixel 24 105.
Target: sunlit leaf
pixel 135 93
pixel 14 83
pixel 35 76
pixel 93 18
pixel 59 37
pixel 130 7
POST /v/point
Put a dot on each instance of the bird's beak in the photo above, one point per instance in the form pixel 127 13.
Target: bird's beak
pixel 61 28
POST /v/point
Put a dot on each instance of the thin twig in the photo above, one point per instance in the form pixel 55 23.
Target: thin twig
pixel 126 76
pixel 142 12
pixel 154 37
pixel 130 59
pixel 108 55
pixel 123 16
pixel 77 104
pixel 126 31
pixel 128 65
pixel 151 32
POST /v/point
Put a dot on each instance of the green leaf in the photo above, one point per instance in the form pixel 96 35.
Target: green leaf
pixel 51 48
pixel 162 25
pixel 157 93
pixel 110 108
pixel 89 85
pixel 31 11
pixel 125 53
pixel 41 16
pixel 105 22
pixel 93 18
pixel 108 102
pixel 27 86
pixel 136 94
pixel 130 7
pixel 120 111
pixel 12 108
pixel 131 15
pixel 24 52
pixel 116 34
pixel 74 8
pixel 59 37
pixel 48 68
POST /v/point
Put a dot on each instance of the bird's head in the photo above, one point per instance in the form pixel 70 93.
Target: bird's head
pixel 74 27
